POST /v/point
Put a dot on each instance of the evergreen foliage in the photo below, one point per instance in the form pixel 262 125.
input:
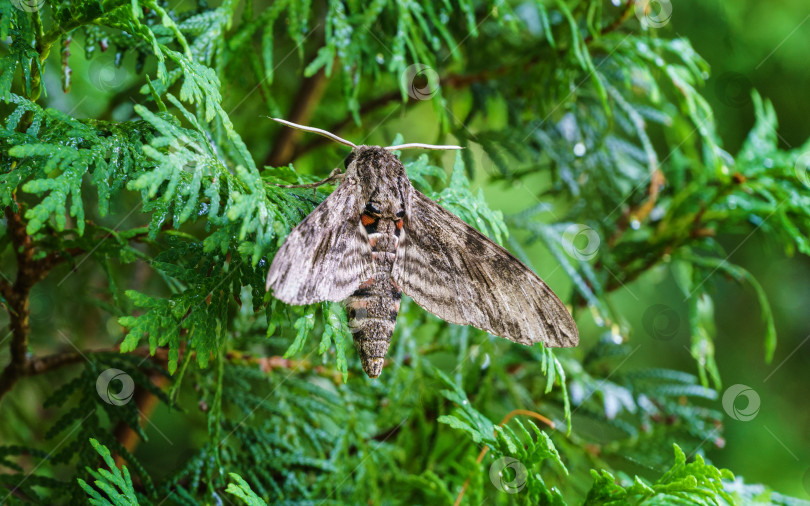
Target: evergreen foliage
pixel 165 223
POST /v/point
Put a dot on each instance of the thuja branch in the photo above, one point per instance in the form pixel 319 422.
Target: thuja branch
pixel 485 449
pixel 49 363
pixel 453 81
pixel 672 234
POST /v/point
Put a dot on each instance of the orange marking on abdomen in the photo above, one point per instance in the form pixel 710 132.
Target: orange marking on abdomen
pixel 366 220
pixel 399 224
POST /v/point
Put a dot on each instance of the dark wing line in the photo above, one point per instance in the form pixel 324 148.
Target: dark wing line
pixel 327 255
pixel 461 276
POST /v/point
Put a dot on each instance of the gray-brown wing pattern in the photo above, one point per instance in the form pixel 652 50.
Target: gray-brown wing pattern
pixel 327 255
pixel 461 276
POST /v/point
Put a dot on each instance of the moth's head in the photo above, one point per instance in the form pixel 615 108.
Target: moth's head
pixel 381 177
pixel 373 164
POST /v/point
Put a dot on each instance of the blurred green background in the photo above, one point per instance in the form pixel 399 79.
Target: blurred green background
pixel 749 45
pixel 761 45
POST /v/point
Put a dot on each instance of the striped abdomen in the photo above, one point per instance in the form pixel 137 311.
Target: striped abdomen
pixel 373 308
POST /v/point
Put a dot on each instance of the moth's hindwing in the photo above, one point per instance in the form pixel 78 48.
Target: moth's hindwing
pixel 327 255
pixel 461 276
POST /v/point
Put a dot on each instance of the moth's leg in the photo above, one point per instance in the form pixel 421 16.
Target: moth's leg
pixel 335 175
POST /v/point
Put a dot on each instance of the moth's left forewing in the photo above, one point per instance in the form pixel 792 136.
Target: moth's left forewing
pixel 327 255
pixel 461 276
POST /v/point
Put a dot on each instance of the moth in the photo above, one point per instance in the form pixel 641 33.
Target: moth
pixel 376 237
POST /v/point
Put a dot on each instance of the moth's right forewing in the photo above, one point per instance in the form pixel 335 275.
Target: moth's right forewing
pixel 461 276
pixel 327 255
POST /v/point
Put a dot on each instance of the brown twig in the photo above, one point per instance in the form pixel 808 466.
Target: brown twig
pixel 642 211
pixel 49 363
pixel 335 175
pixel 616 23
pixel 18 301
pixel 308 96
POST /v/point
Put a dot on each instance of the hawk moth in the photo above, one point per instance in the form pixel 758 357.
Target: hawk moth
pixel 376 237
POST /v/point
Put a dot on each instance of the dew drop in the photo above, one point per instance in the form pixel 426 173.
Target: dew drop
pixel 579 149
pixel 485 364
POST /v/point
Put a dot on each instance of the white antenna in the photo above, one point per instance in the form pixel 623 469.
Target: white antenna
pixel 421 146
pixel 341 140
pixel 315 131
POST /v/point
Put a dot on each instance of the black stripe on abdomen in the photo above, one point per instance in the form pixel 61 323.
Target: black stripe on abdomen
pixel 372 315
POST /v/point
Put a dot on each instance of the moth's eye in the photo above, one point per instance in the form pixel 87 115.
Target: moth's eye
pixel 401 214
pixel 349 159
pixel 372 209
